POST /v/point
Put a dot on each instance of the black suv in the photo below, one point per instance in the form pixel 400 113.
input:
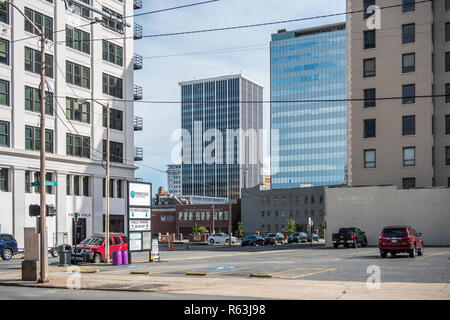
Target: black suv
pixel 274 238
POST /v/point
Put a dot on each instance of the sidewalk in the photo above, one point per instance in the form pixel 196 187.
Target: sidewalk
pixel 266 288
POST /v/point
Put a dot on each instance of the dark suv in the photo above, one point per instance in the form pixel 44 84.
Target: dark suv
pixel 396 239
pixel 8 246
pixel 274 238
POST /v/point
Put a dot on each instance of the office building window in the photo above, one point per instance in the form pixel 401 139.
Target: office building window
pixel 447 5
pixel 409 156
pixel 409 183
pixel 4 175
pixel 39 19
pixel 447 62
pixel 367 4
pixel 115 119
pixel 447 93
pixel 27 181
pixel 4 134
pixel 4 51
pixel 447 156
pixel 78 146
pixel 112 53
pixel 409 62
pixel 33 100
pixel 447 124
pixel 408 5
pixel 33 139
pixel 76 185
pixel 370 159
pixel 33 62
pixel 370 128
pixel 409 94
pixel 49 189
pixel 408 33
pixel 116 151
pixel 4 12
pixel 370 98
pixel 369 39
pixel 119 185
pixel 86 192
pixel 447 32
pixel 409 125
pixel 109 23
pixel 68 180
pixel 112 86
pixel 369 68
pixel 78 111
pixel 78 75
pixel 78 39
pixel 4 92
pixel 78 9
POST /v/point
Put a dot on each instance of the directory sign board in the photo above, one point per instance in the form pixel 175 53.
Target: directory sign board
pixel 140 194
pixel 140 213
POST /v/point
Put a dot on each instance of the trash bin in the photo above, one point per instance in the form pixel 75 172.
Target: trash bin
pixel 65 255
pixel 125 257
pixel 117 258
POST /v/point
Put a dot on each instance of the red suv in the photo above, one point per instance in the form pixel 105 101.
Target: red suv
pixel 396 239
pixel 93 248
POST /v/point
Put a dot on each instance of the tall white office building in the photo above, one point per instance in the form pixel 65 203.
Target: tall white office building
pixel 88 56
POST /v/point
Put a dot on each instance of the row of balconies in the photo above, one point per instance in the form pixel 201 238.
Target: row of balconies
pixel 138 64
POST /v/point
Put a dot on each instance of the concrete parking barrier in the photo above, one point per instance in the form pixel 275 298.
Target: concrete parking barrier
pixel 253 275
pixel 196 273
pixel 83 270
pixel 139 272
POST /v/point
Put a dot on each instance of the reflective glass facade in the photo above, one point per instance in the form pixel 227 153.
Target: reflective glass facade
pixel 215 104
pixel 310 145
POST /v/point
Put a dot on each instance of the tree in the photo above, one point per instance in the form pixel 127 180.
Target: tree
pixel 202 230
pixel 195 228
pixel 299 227
pixel 290 226
pixel 240 232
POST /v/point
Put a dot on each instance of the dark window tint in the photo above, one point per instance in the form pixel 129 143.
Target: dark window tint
pixel 447 31
pixel 408 33
pixel 4 51
pixel 4 134
pixel 447 156
pixel 409 62
pixel 409 125
pixel 447 124
pixel 409 93
pixel 117 240
pixel 369 39
pixel 447 93
pixel 369 68
pixel 408 5
pixel 400 232
pixel 367 4
pixel 409 183
pixel 370 128
pixel 447 62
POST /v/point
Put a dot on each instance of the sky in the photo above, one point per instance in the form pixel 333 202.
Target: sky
pixel 243 51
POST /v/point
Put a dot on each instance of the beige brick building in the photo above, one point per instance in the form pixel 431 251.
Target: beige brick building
pixel 404 141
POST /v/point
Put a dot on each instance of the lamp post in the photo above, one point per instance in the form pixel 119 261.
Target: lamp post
pixel 107 180
pixel 43 248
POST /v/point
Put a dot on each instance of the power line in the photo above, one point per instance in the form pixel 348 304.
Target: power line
pixel 253 25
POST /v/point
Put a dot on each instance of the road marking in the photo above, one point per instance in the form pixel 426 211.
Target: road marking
pixel 176 269
pixel 228 271
pixel 277 274
pixel 313 273
pixel 432 255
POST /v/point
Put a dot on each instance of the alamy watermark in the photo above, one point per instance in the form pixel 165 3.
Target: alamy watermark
pixel 374 280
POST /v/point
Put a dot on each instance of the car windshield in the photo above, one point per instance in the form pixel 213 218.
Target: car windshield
pixel 271 235
pixel 397 232
pixel 93 241
pixel 346 230
pixel 250 238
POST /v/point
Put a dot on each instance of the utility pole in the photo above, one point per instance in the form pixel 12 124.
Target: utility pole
pixel 230 228
pixel 213 231
pixel 43 249
pixel 107 184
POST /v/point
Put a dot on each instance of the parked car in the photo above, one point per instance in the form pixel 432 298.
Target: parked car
pixel 297 237
pixel 313 237
pixel 253 241
pixel 8 246
pixel 274 238
pixel 221 238
pixel 93 249
pixel 397 239
pixel 349 236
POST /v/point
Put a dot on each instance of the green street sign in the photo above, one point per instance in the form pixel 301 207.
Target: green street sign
pixel 47 183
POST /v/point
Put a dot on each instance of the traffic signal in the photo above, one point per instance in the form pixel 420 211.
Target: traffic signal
pixel 35 210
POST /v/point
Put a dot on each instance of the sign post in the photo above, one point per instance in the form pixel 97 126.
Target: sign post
pixel 139 218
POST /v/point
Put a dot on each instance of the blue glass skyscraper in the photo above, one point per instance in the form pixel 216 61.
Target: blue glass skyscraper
pixel 308 141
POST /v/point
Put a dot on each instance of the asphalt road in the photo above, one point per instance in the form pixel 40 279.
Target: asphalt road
pixel 301 262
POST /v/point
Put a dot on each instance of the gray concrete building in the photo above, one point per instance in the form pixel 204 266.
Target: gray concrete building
pixel 267 211
pixel 402 52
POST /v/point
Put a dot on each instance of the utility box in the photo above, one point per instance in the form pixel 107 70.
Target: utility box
pixel 30 265
pixel 30 270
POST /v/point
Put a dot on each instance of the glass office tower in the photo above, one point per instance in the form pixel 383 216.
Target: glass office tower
pixel 308 143
pixel 210 110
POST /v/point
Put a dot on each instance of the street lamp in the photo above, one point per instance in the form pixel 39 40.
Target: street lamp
pixel 107 187
pixel 44 249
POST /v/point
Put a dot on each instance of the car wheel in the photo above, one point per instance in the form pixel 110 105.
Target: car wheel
pixel 364 244
pixel 335 245
pixel 420 252
pixel 412 252
pixel 383 254
pixel 97 258
pixel 211 241
pixel 7 254
pixel 393 254
pixel 254 244
pixel 345 245
pixel 54 252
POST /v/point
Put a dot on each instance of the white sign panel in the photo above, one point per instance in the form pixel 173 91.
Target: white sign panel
pixel 140 195
pixel 140 225
pixel 140 213
pixel 135 241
